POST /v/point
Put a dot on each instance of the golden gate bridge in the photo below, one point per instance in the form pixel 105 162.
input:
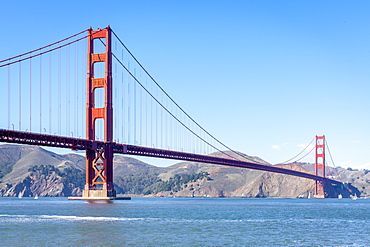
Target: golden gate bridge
pixel 125 111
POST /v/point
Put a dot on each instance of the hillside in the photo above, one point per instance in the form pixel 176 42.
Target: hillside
pixel 30 171
pixel 358 178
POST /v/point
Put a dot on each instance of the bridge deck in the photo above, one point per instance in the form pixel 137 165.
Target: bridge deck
pixel 20 137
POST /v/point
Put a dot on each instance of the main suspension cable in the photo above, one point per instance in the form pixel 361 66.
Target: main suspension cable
pixel 41 53
pixel 329 153
pixel 41 48
pixel 186 114
pixel 306 154
pixel 168 111
pixel 300 153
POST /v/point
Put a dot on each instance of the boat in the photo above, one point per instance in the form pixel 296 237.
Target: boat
pixel 36 197
pixel 20 195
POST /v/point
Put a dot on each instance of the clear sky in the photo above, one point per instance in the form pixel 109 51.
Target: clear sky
pixel 264 77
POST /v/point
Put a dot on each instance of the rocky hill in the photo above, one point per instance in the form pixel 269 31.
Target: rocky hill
pixel 30 171
pixel 358 178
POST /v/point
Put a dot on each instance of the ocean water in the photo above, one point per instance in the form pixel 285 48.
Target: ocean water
pixel 185 222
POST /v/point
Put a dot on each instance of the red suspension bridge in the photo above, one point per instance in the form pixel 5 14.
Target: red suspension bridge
pixel 134 115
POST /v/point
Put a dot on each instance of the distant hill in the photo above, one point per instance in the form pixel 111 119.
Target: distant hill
pixel 30 171
pixel 358 178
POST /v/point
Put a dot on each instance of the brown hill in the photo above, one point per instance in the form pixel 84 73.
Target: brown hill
pixel 238 182
pixel 30 171
pixel 17 180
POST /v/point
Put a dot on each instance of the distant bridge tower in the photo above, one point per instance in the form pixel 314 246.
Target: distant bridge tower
pixel 320 166
pixel 99 161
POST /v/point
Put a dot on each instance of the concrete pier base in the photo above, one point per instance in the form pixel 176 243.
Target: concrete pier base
pixel 96 195
pixel 98 198
pixel 319 196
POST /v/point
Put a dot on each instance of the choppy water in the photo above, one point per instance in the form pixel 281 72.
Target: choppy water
pixel 185 222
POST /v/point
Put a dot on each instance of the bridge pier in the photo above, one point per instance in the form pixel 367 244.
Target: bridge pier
pixel 99 173
pixel 99 160
pixel 320 167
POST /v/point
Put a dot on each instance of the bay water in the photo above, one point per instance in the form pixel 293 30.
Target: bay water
pixel 185 222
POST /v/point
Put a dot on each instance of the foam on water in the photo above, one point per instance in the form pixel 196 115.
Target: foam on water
pixel 8 218
pixel 69 218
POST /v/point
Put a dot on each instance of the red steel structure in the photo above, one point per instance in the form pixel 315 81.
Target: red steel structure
pixel 99 153
pixel 20 137
pixel 320 166
pixel 99 160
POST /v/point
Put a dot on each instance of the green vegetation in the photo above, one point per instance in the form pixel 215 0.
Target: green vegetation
pixel 175 183
pixel 146 184
pixel 44 170
pixel 74 176
pixel 350 169
pixel 69 175
pixel 5 169
pixel 135 184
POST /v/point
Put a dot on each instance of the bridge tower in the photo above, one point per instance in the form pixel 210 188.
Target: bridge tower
pixel 320 166
pixel 99 161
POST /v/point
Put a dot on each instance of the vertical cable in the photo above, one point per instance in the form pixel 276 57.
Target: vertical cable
pixel 175 132
pixel 116 113
pixel 40 94
pixel 76 92
pixel 146 114
pixel 141 117
pixel 128 105
pixel 123 110
pixel 156 122
pixel 50 107
pixel 162 146
pixel 122 103
pixel 20 96
pixel 151 119
pixel 30 94
pixel 170 137
pixel 68 81
pixel 123 107
pixel 59 92
pixel 134 85
pixel 8 97
pixel 167 132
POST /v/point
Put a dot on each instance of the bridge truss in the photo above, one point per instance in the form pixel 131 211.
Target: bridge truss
pixel 144 121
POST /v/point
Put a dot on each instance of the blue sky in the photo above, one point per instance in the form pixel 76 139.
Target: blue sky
pixel 264 77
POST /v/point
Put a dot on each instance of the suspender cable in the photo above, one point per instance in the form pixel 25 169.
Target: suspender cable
pixel 39 54
pixel 141 116
pixel 156 122
pixel 134 108
pixel 40 94
pixel 59 93
pixel 327 146
pixel 41 48
pixel 156 100
pixel 8 97
pixel 129 110
pixel 20 97
pixel 30 95
pixel 223 145
pixel 76 92
pixel 68 92
pixel 50 79
pixel 299 153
